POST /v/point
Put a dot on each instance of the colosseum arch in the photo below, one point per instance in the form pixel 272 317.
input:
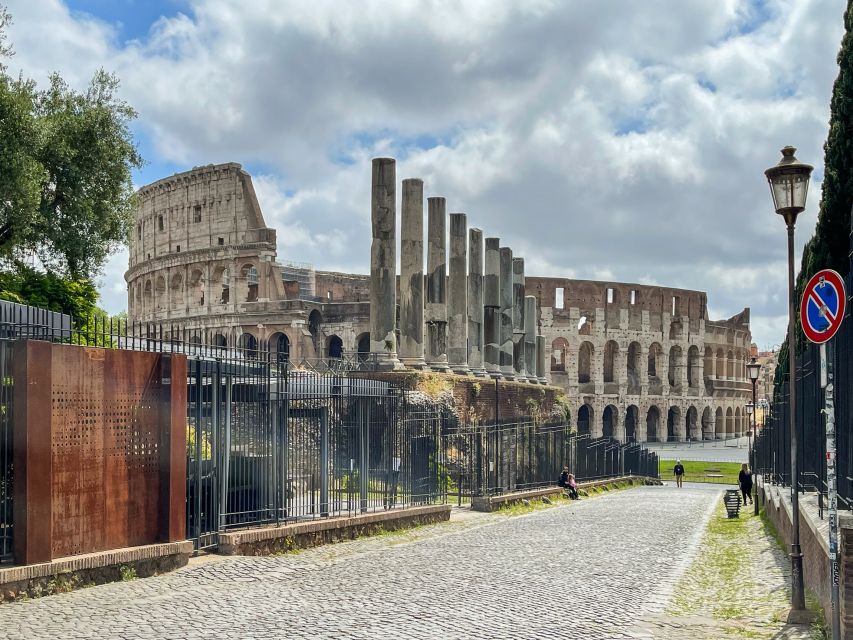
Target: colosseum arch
pixel 249 276
pixel 738 423
pixel 279 345
pixel 335 347
pixel 584 419
pixel 609 421
pixel 249 344
pixel 692 427
pixel 585 354
pixel 176 291
pixel 655 356
pixel 633 367
pixel 695 367
pixel 222 285
pixel 730 422
pixel 719 424
pixel 362 346
pixel 160 301
pixel 559 353
pixel 674 369
pixel 707 424
pixel 632 414
pixel 611 353
pixel 721 364
pixel 220 341
pixel 674 425
pixel 653 425
pixel 195 288
pixel 730 365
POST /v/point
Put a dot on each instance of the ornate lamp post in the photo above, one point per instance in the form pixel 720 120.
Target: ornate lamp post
pixel 789 186
pixel 753 369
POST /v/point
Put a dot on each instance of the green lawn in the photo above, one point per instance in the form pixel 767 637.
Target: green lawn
pixel 695 471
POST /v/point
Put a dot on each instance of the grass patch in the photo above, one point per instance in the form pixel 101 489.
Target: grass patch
pixel 696 471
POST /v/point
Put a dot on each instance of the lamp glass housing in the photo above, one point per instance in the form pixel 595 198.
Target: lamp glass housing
pixel 749 408
pixel 753 369
pixel 789 185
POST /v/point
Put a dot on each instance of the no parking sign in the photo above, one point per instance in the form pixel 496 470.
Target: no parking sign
pixel 822 307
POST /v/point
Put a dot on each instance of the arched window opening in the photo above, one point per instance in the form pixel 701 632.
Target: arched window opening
pixel 220 341
pixel 719 424
pixel 653 424
pixel 608 422
pixel 196 288
pixel 673 422
pixel 363 346
pixel 336 347
pixel 249 344
pixel 250 275
pixel 584 419
pixel 177 291
pixel 655 352
pixel 631 414
pixel 559 351
pixel 160 293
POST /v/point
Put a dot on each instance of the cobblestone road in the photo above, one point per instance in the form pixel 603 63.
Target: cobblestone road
pixel 586 570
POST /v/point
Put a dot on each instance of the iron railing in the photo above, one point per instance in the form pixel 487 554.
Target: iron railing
pixel 772 455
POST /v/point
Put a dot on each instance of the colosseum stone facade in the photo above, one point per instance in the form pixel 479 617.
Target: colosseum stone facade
pixel 637 362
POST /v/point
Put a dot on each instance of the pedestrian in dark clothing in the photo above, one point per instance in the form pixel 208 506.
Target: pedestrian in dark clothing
pixel 744 479
pixel 678 470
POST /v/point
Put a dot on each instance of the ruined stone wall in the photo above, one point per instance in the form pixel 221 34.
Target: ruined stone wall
pixel 644 362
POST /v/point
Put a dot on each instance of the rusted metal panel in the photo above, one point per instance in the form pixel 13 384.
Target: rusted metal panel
pixel 103 450
pixel 31 373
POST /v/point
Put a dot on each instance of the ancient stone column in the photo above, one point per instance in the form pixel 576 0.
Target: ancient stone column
pixel 540 360
pixel 475 302
pixel 412 274
pixel 457 296
pixel 518 364
pixel 506 313
pixel 492 308
pixel 436 307
pixel 530 337
pixel 383 264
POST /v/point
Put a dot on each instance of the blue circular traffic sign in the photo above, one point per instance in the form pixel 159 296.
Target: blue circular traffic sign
pixel 822 306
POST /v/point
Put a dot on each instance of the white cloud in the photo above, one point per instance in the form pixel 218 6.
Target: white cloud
pixel 631 148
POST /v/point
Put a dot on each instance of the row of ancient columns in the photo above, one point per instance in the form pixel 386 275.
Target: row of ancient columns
pixel 475 319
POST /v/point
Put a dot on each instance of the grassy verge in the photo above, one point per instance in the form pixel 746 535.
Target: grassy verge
pixel 697 470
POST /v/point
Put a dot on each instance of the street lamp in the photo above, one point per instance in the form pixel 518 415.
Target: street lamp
pixel 789 186
pixel 753 369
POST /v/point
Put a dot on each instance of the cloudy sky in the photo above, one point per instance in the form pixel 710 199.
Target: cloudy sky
pixel 616 139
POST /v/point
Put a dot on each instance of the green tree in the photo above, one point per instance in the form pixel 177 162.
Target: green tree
pixel 829 246
pixel 66 191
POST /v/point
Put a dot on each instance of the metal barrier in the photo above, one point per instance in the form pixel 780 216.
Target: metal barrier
pixel 498 459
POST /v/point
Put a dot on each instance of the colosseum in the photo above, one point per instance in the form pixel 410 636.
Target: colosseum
pixel 637 362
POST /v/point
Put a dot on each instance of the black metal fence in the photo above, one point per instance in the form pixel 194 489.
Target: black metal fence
pixel 270 441
pixel 773 444
pixel 498 459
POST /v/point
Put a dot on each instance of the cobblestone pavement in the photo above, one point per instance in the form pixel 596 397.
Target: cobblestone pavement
pixel 592 569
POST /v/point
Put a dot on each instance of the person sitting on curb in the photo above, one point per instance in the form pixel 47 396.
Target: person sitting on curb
pixel 567 481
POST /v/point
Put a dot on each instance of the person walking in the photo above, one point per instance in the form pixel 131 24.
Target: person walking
pixel 678 470
pixel 744 479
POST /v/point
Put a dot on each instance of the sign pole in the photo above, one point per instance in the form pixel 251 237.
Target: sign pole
pixel 822 313
pixel 827 357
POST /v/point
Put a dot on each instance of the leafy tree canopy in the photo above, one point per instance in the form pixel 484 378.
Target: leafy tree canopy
pixel 66 191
